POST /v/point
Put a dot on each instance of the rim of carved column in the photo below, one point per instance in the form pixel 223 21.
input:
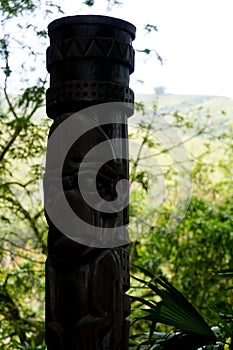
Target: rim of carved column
pixel 93 19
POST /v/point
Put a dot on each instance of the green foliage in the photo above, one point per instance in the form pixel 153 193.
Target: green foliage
pixel 201 244
pixel 13 8
pixel 173 308
pixel 190 255
pixel 22 311
pixel 89 2
pixel 23 229
pixel 162 303
pixel 150 27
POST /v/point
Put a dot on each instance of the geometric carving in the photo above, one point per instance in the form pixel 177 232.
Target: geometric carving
pixel 70 92
pixel 108 48
pixel 89 60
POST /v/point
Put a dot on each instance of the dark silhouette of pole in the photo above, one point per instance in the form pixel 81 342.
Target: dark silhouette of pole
pixel 89 60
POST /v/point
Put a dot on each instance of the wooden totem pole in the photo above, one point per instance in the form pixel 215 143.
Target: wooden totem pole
pixel 89 60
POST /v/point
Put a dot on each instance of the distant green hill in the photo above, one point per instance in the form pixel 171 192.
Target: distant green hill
pixel 213 112
pixel 169 103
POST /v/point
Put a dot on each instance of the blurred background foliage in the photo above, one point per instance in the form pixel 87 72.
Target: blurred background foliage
pixel 193 251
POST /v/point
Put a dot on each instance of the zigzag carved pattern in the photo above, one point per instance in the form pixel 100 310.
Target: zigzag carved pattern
pixel 106 48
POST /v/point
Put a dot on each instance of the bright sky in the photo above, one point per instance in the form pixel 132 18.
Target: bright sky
pixel 194 38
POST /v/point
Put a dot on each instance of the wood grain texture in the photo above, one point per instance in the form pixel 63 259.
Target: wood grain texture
pixel 86 301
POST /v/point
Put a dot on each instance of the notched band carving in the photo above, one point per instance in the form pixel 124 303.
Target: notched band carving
pixel 100 48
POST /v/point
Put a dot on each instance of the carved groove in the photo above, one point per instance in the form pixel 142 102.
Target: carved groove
pixel 105 48
pixel 76 91
pixel 86 301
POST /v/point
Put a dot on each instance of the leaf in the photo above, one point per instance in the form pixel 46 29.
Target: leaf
pixel 150 27
pixel 174 309
pixel 89 3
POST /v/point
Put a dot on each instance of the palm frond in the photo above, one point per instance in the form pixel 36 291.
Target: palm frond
pixel 174 310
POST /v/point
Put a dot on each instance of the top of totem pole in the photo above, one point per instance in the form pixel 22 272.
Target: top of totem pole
pixel 90 59
pixel 94 20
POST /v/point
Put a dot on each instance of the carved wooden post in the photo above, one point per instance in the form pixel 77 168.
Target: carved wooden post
pixel 89 60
